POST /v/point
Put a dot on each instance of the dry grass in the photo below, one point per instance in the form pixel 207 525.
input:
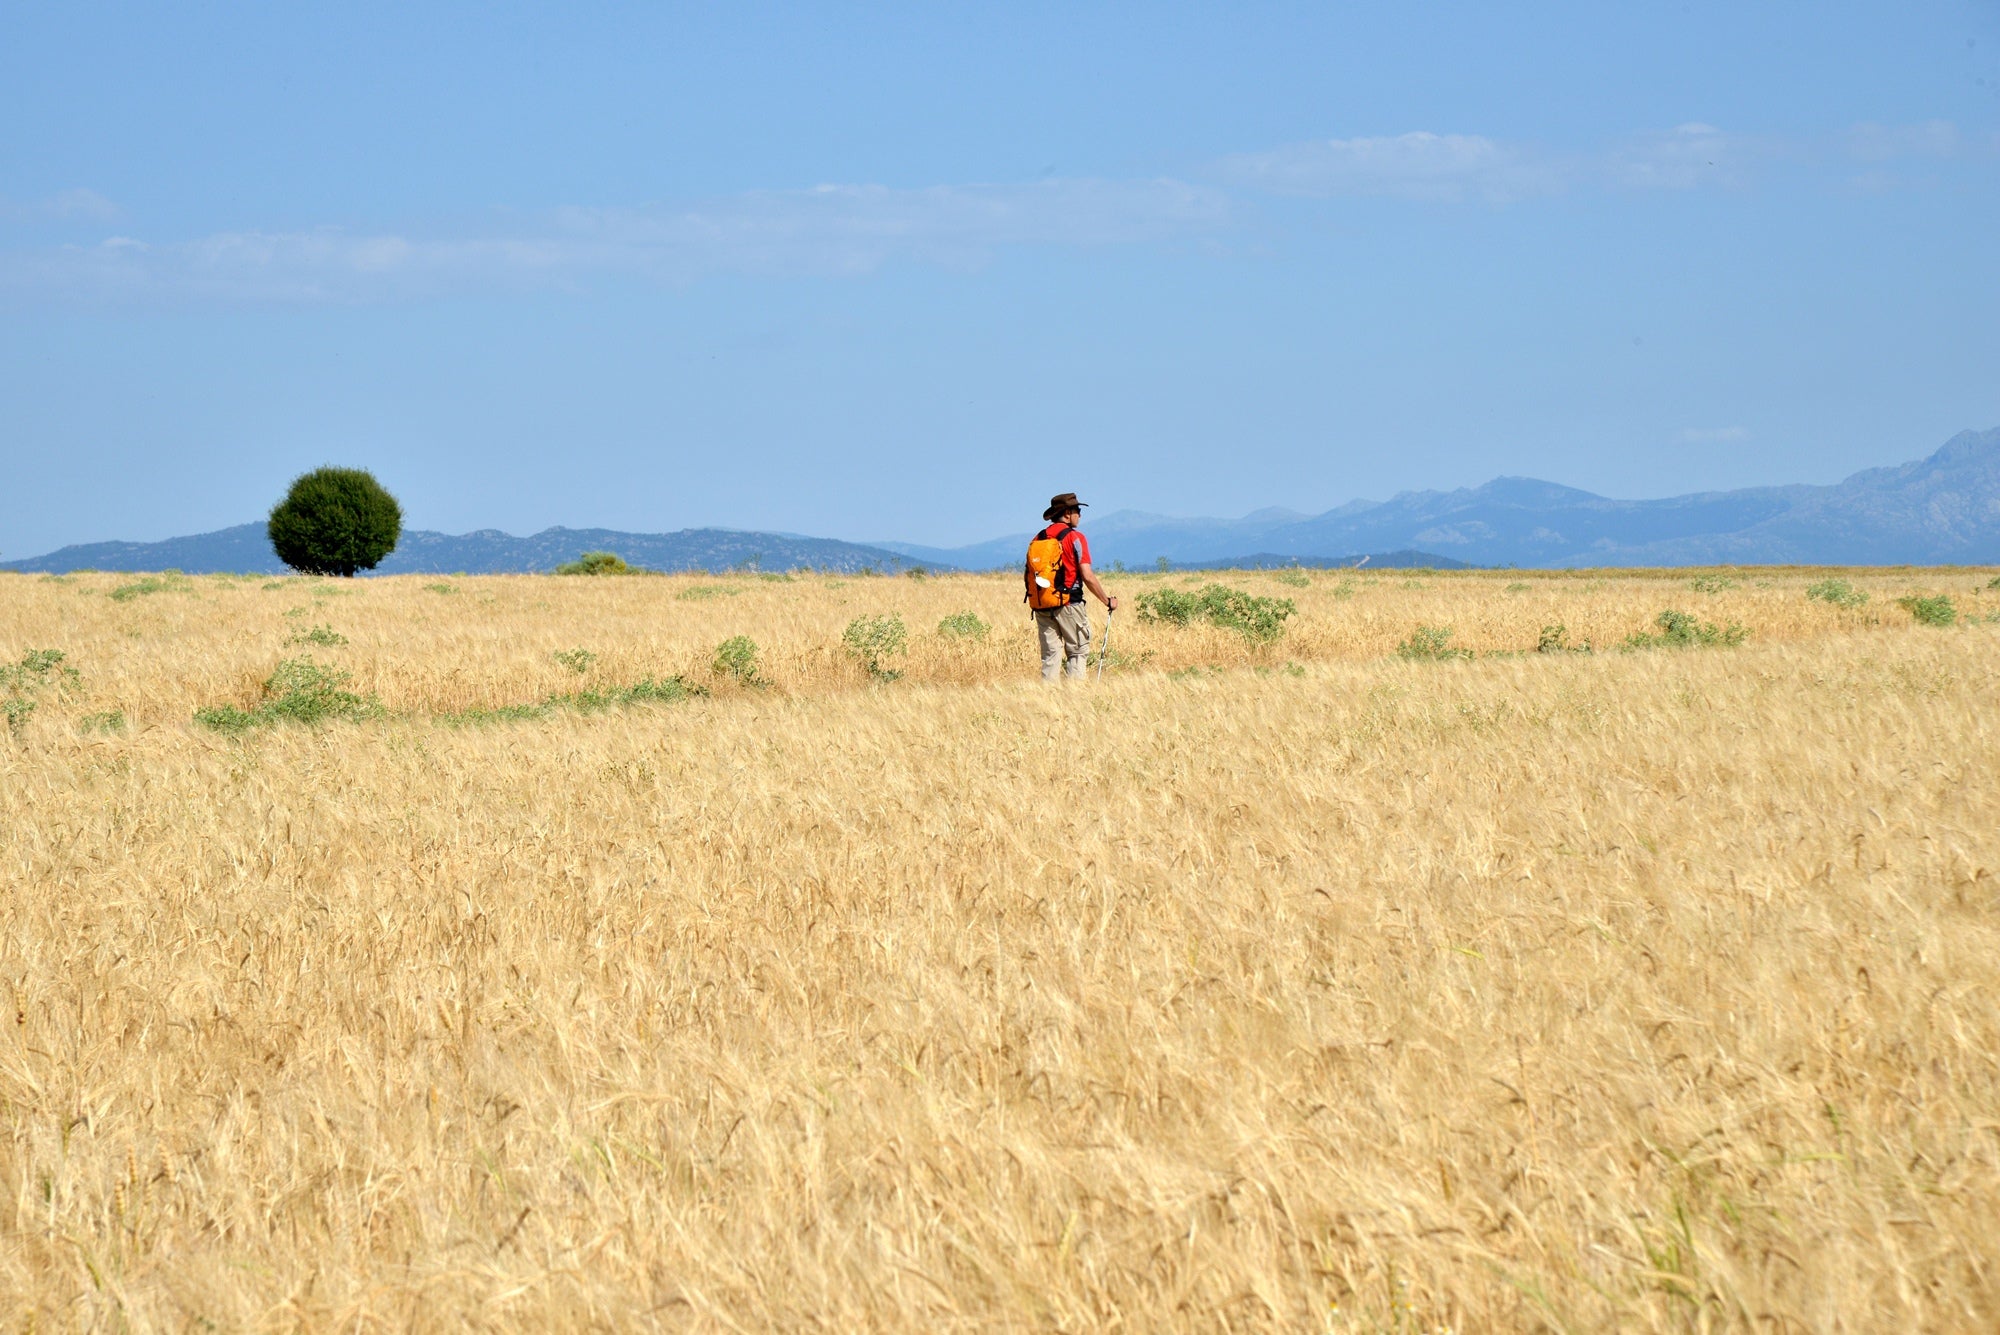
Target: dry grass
pixel 1651 991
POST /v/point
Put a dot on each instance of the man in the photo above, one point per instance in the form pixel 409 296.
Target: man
pixel 1064 629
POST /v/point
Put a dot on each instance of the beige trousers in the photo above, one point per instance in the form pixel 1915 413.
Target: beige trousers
pixel 1065 636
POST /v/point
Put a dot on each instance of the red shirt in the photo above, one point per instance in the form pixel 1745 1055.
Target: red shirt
pixel 1076 554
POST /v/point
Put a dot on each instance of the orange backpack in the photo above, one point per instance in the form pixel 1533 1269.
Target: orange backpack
pixel 1044 575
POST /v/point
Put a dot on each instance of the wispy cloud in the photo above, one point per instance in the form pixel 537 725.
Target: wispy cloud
pixel 1713 435
pixel 1873 142
pixel 1420 165
pixel 1460 168
pixel 77 205
pixel 829 230
pixel 1685 158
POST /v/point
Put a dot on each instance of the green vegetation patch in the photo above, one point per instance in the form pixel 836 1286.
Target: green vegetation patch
pixel 324 636
pixel 1258 620
pixel 108 721
pixel 596 563
pixel 23 684
pixel 736 659
pixel 702 593
pixel 872 640
pixel 1934 611
pixel 299 691
pixel 963 626
pixel 171 581
pixel 1555 640
pixel 1430 644
pixel 1838 592
pixel 1297 579
pixel 646 691
pixel 578 661
pixel 1680 630
pixel 1713 583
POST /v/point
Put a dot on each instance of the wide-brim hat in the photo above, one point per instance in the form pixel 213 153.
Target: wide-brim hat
pixel 1063 504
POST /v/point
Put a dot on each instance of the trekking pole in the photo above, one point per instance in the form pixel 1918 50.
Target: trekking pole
pixel 1104 645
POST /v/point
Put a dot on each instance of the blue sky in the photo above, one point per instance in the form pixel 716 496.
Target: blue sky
pixel 904 272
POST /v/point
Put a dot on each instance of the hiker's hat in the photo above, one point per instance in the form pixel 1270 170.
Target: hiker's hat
pixel 1063 504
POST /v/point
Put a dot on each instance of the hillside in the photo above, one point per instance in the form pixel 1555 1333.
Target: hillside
pixel 1938 510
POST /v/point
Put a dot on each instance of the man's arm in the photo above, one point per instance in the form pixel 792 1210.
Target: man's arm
pixel 1091 582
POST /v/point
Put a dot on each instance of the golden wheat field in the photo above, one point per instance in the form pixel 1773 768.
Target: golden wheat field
pixel 1301 987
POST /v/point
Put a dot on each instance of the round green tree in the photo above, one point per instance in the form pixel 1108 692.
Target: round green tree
pixel 335 521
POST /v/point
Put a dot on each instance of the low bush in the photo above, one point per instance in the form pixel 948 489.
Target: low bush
pixel 1430 644
pixel 1838 592
pixel 441 588
pixel 1555 640
pixel 1297 579
pixel 110 720
pixel 171 581
pixel 324 636
pixel 963 626
pixel 299 691
pixel 872 639
pixel 736 658
pixel 1935 611
pixel 701 593
pixel 1258 620
pixel 22 684
pixel 596 563
pixel 1713 583
pixel 576 660
pixel 1679 630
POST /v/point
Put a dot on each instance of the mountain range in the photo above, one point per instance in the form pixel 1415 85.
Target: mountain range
pixel 245 549
pixel 1942 509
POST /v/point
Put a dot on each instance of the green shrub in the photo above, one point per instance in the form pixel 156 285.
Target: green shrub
pixel 1430 644
pixel 702 593
pixel 1838 592
pixel 736 658
pixel 1258 620
pixel 442 588
pixel 22 684
pixel 1678 630
pixel 171 581
pixel 871 639
pixel 299 691
pixel 1555 640
pixel 1295 578
pixel 596 563
pixel 335 521
pixel 111 720
pixel 324 636
pixel 303 691
pixel 1712 583
pixel 1518 587
pixel 963 626
pixel 576 660
pixel 1935 611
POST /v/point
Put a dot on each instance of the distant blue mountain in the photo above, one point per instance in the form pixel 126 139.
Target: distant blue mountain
pixel 245 549
pixel 1944 509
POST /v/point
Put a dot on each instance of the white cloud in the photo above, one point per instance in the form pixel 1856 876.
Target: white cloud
pixel 1686 157
pixel 77 205
pixel 826 230
pixel 1713 435
pixel 1420 165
